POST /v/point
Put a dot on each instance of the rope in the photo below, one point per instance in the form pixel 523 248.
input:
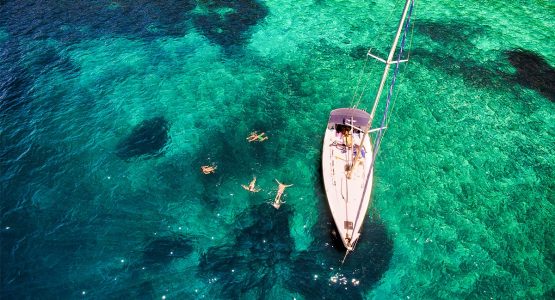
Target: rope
pixel 345 257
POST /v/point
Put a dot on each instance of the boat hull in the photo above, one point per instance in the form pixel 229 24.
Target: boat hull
pixel 348 196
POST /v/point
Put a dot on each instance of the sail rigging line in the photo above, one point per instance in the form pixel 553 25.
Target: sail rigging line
pixel 407 60
pixel 400 29
pixel 364 67
pixel 392 85
pixel 358 84
pixel 379 136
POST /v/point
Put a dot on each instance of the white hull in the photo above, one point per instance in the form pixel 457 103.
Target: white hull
pixel 348 198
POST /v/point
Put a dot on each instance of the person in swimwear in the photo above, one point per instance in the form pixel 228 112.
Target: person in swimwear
pixel 348 138
pixel 281 188
pixel 255 137
pixel 208 169
pixel 251 187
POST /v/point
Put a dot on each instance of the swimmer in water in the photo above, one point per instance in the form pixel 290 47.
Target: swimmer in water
pixel 208 169
pixel 255 137
pixel 251 187
pixel 281 188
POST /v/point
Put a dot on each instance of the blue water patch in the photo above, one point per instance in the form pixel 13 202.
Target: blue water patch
pixel 75 20
pixel 162 250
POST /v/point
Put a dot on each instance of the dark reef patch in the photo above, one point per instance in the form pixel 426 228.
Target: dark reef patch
pixel 481 75
pixel 48 59
pixel 456 61
pixel 13 89
pixel 263 254
pixel 358 52
pixel 361 270
pixel 161 251
pixel 253 262
pixel 147 139
pixel 21 67
pixel 533 71
pixel 227 22
pixel 451 32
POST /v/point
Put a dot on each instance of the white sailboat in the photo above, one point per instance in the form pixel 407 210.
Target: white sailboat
pixel 348 154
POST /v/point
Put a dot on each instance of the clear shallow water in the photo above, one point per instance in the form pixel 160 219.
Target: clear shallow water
pixel 463 198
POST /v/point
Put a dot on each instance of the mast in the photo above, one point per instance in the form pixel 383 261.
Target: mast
pixel 389 60
pixel 382 83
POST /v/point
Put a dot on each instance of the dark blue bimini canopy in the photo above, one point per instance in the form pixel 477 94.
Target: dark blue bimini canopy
pixel 343 116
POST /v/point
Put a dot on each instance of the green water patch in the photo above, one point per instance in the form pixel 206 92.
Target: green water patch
pixel 454 171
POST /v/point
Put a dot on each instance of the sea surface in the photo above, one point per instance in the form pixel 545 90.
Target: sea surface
pixel 108 109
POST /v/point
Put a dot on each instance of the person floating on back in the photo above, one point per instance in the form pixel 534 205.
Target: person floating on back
pixel 251 187
pixel 255 137
pixel 208 169
pixel 281 187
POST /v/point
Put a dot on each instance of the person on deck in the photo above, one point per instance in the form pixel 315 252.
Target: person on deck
pixel 281 188
pixel 251 187
pixel 348 137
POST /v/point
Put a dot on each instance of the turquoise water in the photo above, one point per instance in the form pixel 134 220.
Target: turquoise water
pixel 109 108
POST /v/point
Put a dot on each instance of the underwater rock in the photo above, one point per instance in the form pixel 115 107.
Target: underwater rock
pixel 533 71
pixel 148 138
pixel 16 80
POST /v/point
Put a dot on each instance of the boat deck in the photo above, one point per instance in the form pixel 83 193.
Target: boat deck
pixel 346 196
